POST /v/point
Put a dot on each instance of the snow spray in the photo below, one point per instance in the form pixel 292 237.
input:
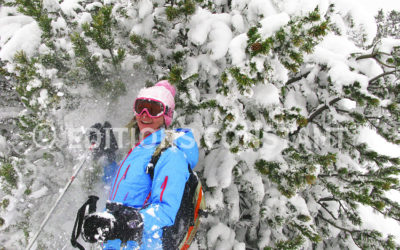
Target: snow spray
pixel 60 197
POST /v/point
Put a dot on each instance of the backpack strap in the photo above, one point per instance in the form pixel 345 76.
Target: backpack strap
pixel 166 143
pixel 153 162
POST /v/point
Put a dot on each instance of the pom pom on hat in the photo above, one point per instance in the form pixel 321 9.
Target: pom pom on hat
pixel 163 92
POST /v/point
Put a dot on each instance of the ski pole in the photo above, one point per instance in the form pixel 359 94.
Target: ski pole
pixel 59 198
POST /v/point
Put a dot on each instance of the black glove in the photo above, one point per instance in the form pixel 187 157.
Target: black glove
pixel 98 227
pixel 118 222
pixel 128 222
pixel 106 145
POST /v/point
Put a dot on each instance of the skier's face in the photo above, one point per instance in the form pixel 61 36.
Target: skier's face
pixel 147 124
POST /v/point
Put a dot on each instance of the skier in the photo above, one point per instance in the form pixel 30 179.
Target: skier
pixel 139 206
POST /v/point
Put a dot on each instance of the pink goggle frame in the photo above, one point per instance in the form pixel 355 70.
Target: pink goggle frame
pixel 152 107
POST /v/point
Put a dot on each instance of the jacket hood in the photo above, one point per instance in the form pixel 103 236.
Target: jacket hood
pixel 182 138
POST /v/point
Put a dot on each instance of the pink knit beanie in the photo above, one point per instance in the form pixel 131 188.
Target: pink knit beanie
pixel 163 92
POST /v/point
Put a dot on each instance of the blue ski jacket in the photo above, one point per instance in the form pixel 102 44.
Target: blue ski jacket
pixel 159 200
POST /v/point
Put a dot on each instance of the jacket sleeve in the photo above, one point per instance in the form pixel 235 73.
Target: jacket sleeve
pixel 170 176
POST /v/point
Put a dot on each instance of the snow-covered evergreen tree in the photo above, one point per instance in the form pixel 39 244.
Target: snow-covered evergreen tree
pixel 284 98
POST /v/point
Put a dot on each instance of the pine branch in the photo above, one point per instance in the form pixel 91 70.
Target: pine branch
pixel 334 225
pixel 340 177
pixel 384 64
pixel 323 108
pixel 298 78
pixel 366 56
pixel 314 142
pixel 327 199
pixel 384 53
pixel 355 242
pixel 316 113
pixel 330 213
pixel 343 111
pixel 333 199
pixel 374 56
pixel 337 176
pixel 114 61
pixel 351 232
pixel 381 75
pixel 378 163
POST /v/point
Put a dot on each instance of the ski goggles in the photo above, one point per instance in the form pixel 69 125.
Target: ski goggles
pixel 152 107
